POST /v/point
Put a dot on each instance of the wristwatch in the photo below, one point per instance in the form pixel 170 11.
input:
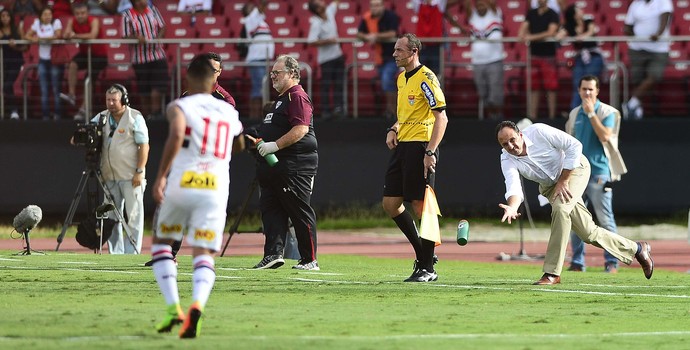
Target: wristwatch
pixel 430 153
pixel 139 171
pixel 591 115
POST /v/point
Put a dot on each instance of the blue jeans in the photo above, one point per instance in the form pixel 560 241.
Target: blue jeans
pixel 257 74
pixel 580 69
pixel 602 201
pixel 50 74
pixel 388 72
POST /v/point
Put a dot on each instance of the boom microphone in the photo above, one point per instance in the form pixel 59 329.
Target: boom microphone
pixel 27 219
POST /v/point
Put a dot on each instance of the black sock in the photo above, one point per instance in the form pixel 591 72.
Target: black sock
pixel 406 224
pixel 427 260
pixel 176 247
pixel 639 248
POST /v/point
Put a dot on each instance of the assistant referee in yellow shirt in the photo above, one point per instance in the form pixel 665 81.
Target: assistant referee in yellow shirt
pixel 414 139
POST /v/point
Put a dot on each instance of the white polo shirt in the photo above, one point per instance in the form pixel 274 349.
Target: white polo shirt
pixel 645 17
pixel 549 151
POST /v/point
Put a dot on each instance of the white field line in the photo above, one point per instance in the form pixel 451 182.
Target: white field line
pixel 510 289
pixel 512 336
pixel 11 259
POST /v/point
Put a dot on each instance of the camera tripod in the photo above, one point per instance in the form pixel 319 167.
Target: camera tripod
pixel 92 172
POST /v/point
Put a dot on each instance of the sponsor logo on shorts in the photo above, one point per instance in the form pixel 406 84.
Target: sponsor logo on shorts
pixel 170 228
pixel 204 235
pixel 429 94
pixel 200 181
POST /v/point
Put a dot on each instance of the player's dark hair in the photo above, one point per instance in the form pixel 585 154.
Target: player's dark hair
pixel 213 56
pixel 506 124
pixel 590 77
pixel 200 67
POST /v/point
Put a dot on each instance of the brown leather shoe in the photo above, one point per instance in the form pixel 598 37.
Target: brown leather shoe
pixel 576 268
pixel 644 257
pixel 548 279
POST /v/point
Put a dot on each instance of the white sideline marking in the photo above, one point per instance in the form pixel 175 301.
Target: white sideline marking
pixel 78 262
pixel 390 337
pixel 109 271
pixel 10 259
pixel 484 335
pixel 217 276
pixel 625 286
pixel 511 289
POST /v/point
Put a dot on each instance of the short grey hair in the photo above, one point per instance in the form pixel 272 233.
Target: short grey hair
pixel 291 66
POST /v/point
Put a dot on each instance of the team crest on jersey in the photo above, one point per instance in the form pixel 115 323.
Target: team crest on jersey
pixel 429 94
pixel 120 131
pixel 200 181
pixel 410 100
pixel 204 235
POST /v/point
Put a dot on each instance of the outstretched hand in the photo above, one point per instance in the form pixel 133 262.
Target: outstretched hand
pixel 509 213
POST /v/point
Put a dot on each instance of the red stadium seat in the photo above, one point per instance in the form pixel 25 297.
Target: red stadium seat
pixel 180 27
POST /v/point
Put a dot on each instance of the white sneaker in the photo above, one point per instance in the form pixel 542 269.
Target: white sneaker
pixel 312 265
pixel 70 99
pixel 14 115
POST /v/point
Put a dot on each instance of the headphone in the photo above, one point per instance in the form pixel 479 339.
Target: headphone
pixel 125 96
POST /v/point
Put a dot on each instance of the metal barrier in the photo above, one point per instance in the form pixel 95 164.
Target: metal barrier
pixel 617 70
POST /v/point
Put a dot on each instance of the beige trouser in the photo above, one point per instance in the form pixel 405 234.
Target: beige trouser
pixel 574 215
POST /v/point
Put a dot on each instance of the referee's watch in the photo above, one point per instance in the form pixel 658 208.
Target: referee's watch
pixel 139 171
pixel 430 153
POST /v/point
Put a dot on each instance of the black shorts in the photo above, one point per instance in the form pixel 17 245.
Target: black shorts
pixel 152 75
pixel 405 174
pixel 98 63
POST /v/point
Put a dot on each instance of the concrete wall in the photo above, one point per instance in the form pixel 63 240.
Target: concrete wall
pixel 40 167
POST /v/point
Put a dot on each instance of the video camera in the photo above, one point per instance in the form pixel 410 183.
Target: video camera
pixel 90 136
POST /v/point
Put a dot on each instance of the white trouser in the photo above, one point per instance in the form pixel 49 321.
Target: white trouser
pixel 129 199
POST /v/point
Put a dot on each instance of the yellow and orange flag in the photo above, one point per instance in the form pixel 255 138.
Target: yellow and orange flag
pixel 429 228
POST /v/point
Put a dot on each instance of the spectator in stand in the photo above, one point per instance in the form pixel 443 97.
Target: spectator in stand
pixel 589 60
pixel 145 23
pixel 99 7
pixel 13 60
pixel 23 8
pixel 430 15
pixel 557 6
pixel 542 24
pixel 486 22
pixel 323 34
pixel 195 6
pixel 47 28
pixel 83 26
pixel 119 6
pixel 379 28
pixel 259 53
pixel 646 19
pixel 61 8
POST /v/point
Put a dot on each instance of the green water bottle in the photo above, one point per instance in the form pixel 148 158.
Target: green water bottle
pixel 463 232
pixel 271 158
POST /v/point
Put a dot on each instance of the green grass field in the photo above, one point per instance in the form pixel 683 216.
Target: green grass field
pixel 85 301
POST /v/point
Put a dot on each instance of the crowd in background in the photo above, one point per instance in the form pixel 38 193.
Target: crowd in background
pixel 379 23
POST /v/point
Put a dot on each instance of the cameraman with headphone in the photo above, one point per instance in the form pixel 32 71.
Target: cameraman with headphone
pixel 123 165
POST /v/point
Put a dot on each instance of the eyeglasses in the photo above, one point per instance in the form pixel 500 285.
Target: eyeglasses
pixel 274 73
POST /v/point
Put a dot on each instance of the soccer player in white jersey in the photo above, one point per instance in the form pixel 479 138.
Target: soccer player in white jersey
pixel 191 189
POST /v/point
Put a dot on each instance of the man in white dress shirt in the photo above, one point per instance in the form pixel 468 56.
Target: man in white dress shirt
pixel 554 160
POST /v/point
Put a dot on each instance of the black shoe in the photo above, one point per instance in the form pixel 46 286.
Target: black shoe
pixel 422 275
pixel 270 262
